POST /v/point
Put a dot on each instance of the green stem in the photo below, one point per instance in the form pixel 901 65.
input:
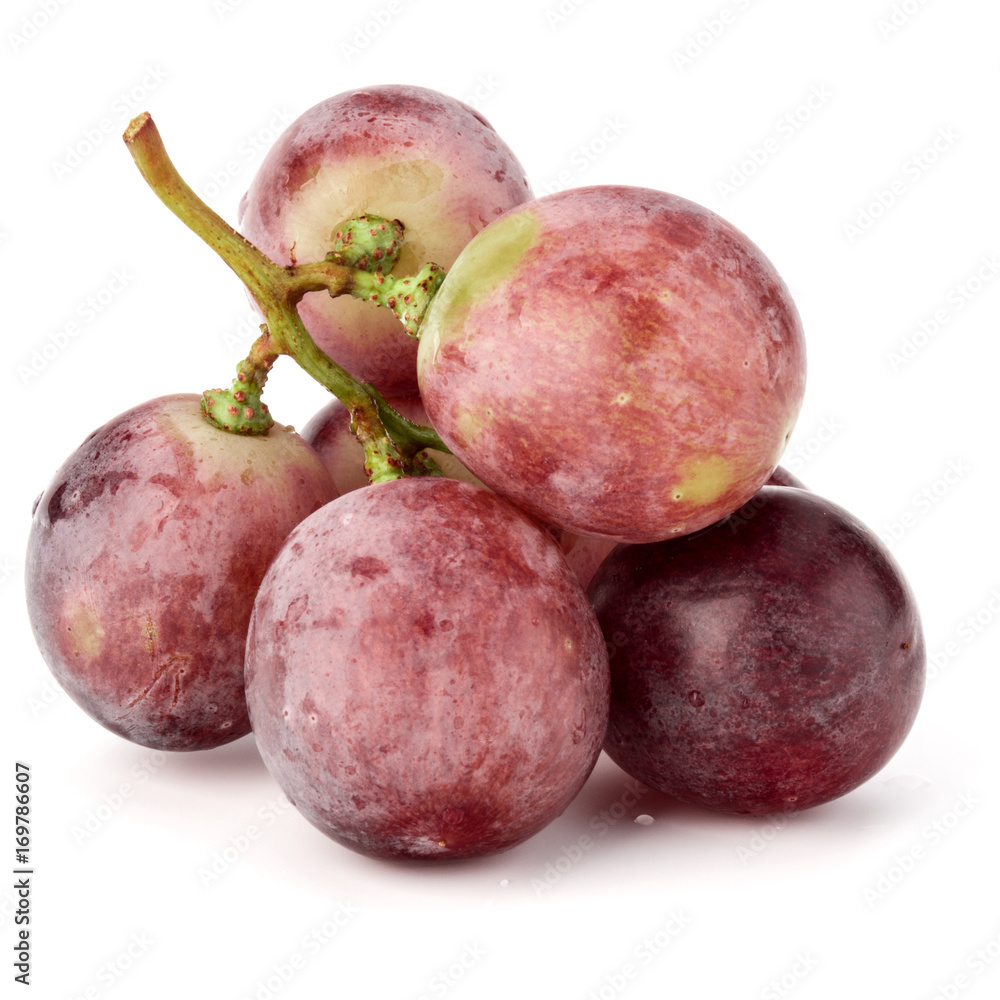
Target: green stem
pixel 367 242
pixel 391 443
pixel 409 298
pixel 240 409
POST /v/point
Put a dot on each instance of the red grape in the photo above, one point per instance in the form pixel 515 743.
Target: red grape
pixel 772 661
pixel 425 675
pixel 399 152
pixel 617 361
pixel 144 557
pixel 329 434
pixel 782 477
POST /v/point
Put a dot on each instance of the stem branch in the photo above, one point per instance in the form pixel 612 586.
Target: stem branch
pixel 390 441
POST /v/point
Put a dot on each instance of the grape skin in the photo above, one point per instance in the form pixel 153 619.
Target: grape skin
pixel 144 557
pixel 425 675
pixel 775 660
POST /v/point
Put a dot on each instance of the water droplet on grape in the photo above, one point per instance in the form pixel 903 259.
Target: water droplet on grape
pixel 644 820
pixel 504 881
pixel 696 699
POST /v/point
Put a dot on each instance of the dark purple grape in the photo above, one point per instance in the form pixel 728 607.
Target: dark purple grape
pixel 782 477
pixel 772 661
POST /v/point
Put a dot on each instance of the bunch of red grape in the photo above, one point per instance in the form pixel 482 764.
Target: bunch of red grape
pixel 611 374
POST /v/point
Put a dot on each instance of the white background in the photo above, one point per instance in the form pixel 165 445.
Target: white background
pixel 889 892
